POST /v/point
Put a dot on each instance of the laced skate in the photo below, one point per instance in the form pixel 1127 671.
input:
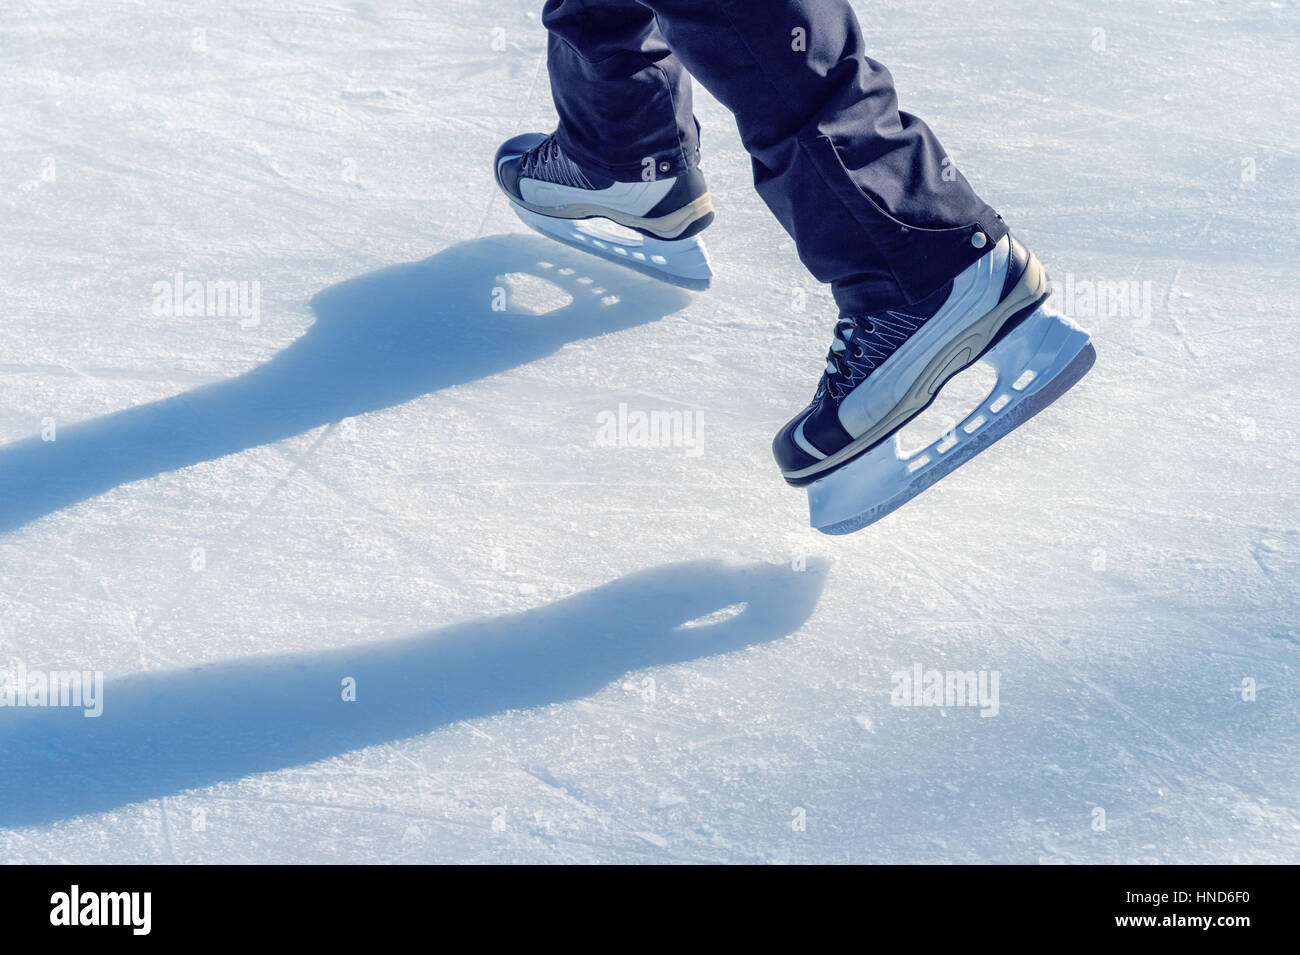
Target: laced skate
pixel 652 226
pixel 884 370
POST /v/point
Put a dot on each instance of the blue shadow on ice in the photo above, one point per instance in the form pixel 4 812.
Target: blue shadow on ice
pixel 379 340
pixel 168 731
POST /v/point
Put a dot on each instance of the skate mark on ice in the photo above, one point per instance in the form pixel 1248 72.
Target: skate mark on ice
pixel 576 798
pixel 519 122
pixel 166 731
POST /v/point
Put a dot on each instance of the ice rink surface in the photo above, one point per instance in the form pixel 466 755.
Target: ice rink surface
pixel 413 472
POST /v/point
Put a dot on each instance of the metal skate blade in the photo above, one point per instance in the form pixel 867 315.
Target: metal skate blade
pixel 683 262
pixel 1036 364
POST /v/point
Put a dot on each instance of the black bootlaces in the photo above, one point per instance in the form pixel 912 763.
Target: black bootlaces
pixel 544 152
pixel 839 375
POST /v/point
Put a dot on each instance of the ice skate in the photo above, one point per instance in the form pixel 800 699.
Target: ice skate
pixel 884 370
pixel 651 226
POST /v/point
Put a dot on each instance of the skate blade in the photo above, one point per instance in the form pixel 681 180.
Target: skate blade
pixel 1049 346
pixel 682 262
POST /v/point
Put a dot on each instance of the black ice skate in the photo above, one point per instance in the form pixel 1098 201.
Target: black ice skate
pixel 883 370
pixel 652 226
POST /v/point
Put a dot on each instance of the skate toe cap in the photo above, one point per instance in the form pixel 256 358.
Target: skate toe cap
pixel 506 162
pixel 786 447
pixel 810 437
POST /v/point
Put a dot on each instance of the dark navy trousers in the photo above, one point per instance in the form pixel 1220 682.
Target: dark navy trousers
pixel 864 189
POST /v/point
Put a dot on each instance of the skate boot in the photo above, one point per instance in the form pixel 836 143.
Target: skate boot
pixel 883 370
pixel 650 226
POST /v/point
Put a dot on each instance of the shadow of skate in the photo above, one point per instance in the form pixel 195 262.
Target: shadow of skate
pixel 168 731
pixel 378 340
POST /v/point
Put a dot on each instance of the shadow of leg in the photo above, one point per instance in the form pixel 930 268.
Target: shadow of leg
pixel 164 732
pixel 379 340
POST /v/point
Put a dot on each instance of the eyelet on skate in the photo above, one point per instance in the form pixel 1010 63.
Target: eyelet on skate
pixel 857 353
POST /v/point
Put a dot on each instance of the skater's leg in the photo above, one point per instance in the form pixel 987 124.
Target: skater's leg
pixel 626 150
pixel 926 275
pixel 865 190
pixel 623 99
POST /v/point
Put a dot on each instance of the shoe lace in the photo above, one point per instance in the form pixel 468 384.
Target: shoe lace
pixel 839 376
pixel 544 152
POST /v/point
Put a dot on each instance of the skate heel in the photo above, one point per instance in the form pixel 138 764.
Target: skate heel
pixel 1033 283
pixel 1032 288
pixel 682 223
pixel 1025 296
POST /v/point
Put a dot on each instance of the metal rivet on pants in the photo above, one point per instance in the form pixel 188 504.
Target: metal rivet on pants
pixel 663 167
pixel 978 240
